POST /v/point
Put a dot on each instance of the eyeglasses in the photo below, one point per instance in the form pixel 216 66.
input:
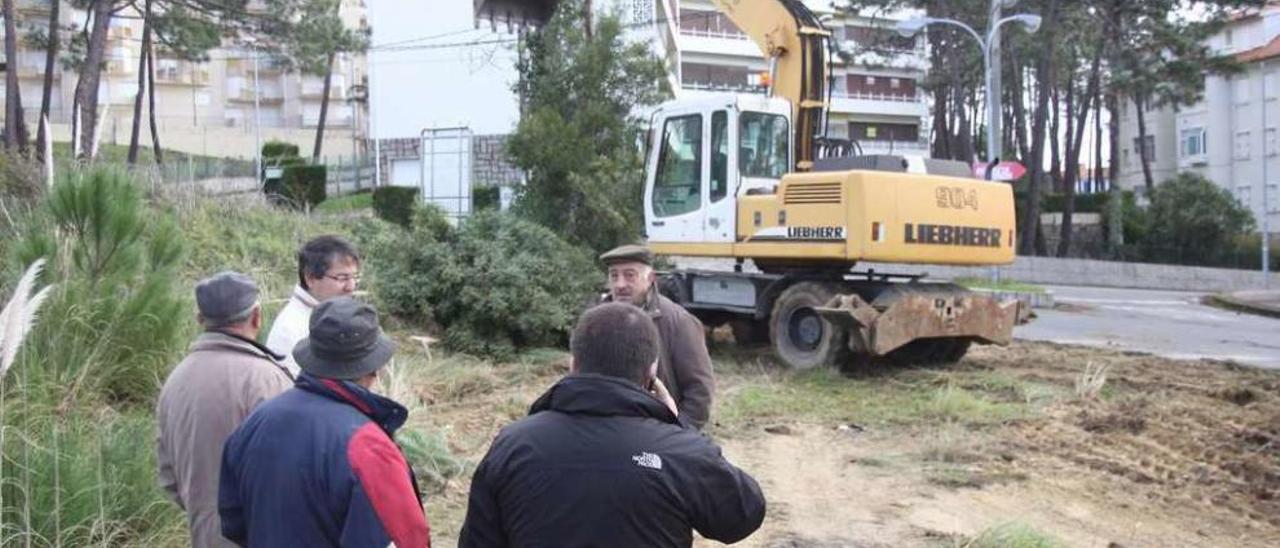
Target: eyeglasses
pixel 344 278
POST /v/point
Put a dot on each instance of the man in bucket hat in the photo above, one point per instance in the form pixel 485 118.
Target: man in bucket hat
pixel 223 378
pixel 316 466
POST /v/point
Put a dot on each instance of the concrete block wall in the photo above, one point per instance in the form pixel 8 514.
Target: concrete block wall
pixel 1055 271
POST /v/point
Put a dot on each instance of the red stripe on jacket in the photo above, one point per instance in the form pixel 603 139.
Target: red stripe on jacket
pixel 347 395
pixel 384 474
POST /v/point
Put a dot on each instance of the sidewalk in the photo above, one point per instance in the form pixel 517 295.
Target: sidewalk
pixel 1262 302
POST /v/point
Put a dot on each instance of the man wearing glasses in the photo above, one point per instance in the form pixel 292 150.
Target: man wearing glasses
pixel 328 267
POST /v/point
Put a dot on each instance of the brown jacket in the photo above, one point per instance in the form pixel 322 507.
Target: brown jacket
pixel 683 362
pixel 205 398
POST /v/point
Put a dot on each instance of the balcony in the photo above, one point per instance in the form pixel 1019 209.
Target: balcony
pixel 315 90
pixel 718 43
pixel 181 75
pixel 884 104
pixel 693 90
pixel 907 148
pixel 265 96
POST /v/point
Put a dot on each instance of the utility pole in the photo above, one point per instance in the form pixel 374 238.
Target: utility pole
pixel 995 137
pixel 1266 209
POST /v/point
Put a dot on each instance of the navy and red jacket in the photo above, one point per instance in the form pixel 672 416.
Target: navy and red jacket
pixel 316 466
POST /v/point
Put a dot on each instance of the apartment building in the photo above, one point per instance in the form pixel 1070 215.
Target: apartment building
pixel 1230 135
pixel 875 96
pixel 207 107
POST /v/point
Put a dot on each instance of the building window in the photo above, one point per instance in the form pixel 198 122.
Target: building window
pixel 1270 145
pixel 1273 85
pixel 895 83
pixel 1193 142
pixel 1146 147
pixel 1124 157
pixel 1229 37
pixel 1242 148
pixel 1273 199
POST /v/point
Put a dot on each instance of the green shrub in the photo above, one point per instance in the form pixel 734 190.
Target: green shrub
pixel 428 453
pixel 497 284
pixel 300 186
pixel 395 204
pixel 273 150
pixel 486 198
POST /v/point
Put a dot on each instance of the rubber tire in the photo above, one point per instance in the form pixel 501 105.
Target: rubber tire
pixel 830 348
pixel 749 332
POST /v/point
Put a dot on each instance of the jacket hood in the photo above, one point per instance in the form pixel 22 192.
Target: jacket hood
pixel 386 412
pixel 604 396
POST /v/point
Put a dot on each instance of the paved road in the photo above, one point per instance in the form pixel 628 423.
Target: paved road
pixel 1166 323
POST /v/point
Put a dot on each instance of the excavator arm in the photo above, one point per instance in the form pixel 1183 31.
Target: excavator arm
pixel 794 41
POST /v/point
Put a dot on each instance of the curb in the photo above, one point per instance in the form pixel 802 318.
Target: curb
pixel 1226 300
pixel 1028 298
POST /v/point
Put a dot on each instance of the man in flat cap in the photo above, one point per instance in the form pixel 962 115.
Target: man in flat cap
pixel 316 466
pixel 683 363
pixel 223 378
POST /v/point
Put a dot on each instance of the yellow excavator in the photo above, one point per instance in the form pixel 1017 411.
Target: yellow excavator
pixel 750 177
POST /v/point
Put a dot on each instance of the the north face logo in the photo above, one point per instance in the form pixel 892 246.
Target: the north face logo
pixel 648 460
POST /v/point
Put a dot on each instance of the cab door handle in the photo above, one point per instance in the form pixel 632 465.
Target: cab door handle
pixel 658 223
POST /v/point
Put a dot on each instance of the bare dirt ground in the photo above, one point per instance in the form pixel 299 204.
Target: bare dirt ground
pixel 1161 453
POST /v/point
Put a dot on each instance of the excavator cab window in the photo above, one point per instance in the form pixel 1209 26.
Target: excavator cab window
pixel 677 187
pixel 719 155
pixel 763 145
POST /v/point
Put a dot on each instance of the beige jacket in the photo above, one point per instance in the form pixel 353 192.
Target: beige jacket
pixel 291 325
pixel 205 398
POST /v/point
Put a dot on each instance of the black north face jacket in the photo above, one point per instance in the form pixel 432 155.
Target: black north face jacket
pixel 599 462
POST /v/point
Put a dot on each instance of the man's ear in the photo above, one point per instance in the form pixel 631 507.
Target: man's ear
pixel 573 366
pixel 653 370
pixel 255 317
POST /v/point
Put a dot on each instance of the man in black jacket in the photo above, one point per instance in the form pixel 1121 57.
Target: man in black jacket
pixel 600 461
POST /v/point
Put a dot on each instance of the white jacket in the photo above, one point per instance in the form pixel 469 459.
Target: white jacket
pixel 292 325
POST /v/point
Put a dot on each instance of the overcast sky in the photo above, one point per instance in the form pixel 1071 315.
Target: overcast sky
pixel 439 82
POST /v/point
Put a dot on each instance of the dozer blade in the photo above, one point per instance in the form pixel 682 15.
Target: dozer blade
pixel 907 313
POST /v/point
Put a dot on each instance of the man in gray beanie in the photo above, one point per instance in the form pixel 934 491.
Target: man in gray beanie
pixel 224 377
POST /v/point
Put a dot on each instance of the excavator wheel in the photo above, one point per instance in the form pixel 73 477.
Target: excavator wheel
pixel 801 338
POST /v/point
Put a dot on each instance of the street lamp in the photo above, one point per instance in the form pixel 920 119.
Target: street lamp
pixel 913 26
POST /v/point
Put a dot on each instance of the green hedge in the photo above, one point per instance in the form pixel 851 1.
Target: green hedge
pixel 395 204
pixel 278 149
pixel 299 186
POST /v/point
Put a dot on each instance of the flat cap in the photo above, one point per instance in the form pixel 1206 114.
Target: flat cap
pixel 225 296
pixel 633 253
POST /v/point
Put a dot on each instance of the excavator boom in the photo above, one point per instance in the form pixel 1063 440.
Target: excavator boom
pixel 795 42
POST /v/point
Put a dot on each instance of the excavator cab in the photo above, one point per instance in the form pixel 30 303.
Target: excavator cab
pixel 706 153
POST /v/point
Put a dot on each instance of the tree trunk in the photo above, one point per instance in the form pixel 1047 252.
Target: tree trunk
pixel 324 107
pixel 14 132
pixel 91 76
pixel 151 96
pixel 1055 146
pixel 136 131
pixel 50 65
pixel 1045 78
pixel 1140 104
pixel 1073 158
pixel 1020 113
